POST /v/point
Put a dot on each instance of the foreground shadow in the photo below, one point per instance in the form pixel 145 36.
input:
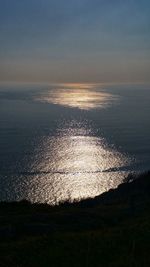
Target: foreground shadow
pixel 119 216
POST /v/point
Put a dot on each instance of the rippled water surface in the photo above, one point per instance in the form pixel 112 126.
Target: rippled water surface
pixel 71 141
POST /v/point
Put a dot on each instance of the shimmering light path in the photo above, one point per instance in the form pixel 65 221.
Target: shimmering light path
pixel 72 166
pixel 59 150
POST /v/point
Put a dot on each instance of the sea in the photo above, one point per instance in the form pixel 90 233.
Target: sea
pixel 66 142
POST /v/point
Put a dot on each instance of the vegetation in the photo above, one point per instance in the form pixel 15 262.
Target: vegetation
pixel 110 230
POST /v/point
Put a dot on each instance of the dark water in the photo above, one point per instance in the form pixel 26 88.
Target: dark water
pixel 62 142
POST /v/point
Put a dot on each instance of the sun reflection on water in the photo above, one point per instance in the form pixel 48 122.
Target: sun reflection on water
pixel 72 166
pixel 74 163
pixel 81 96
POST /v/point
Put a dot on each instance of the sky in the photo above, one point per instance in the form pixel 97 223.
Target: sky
pixel 75 40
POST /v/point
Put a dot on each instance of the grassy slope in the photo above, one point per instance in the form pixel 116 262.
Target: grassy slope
pixel 110 230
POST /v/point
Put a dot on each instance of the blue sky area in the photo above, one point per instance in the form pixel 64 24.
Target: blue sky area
pixel 75 40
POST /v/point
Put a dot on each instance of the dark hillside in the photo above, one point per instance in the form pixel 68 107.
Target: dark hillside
pixel 110 230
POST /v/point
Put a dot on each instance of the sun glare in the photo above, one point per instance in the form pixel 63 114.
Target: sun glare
pixel 81 96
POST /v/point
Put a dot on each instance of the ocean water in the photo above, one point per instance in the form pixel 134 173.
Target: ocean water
pixel 71 141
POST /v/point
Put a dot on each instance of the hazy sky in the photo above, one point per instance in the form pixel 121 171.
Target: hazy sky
pixel 75 40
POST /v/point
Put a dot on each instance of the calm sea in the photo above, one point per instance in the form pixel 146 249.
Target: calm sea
pixel 71 141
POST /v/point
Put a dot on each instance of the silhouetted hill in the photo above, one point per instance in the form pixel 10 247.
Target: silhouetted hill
pixel 112 229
